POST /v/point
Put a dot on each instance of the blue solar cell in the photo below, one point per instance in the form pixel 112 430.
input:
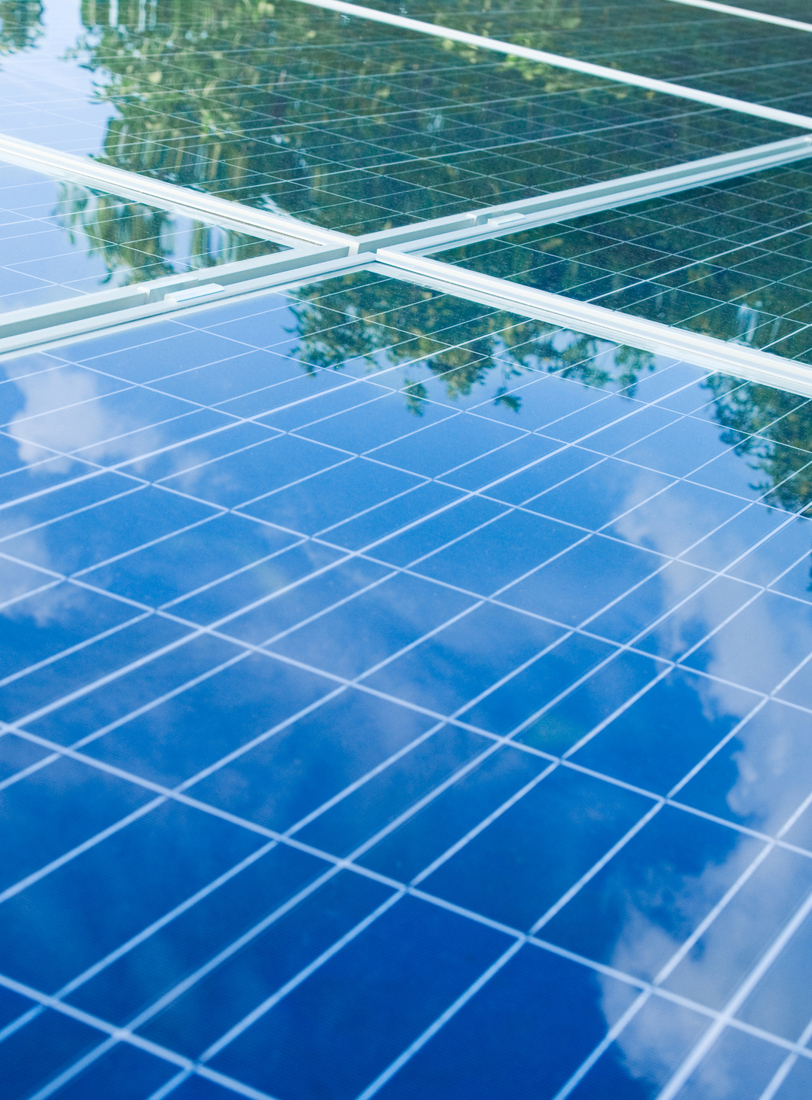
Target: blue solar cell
pixel 169 568
pixel 201 1088
pixel 779 636
pixel 492 777
pixel 642 923
pixel 761 776
pixel 798 1081
pixel 665 734
pixel 780 1003
pixel 539 476
pixel 230 908
pixel 675 635
pixel 72 672
pixel 366 811
pixel 518 699
pixel 492 873
pixel 557 589
pixel 36 826
pixel 324 500
pixel 642 1059
pixel 588 705
pixel 13 1006
pixel 46 623
pixel 259 970
pixel 496 465
pixel 385 528
pixel 178 738
pixel 745 1064
pixel 453 666
pixel 225 599
pixel 134 874
pixel 375 624
pixel 404 949
pixel 629 617
pixel 124 1071
pixel 701 511
pixel 342 741
pixel 713 969
pixel 497 1046
pixel 76 717
pixel 16 755
pixel 477 561
pixel 41 1050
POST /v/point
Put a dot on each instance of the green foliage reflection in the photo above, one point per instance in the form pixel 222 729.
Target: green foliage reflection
pixel 20 24
pixel 461 352
pixel 278 106
pixel 138 242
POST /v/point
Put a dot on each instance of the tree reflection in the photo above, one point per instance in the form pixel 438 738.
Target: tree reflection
pixel 458 341
pixel 138 242
pixel 20 24
pixel 277 106
pixel 282 105
pixel 781 455
pixel 468 348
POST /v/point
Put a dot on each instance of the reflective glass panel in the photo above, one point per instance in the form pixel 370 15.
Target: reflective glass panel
pixel 58 240
pixel 398 694
pixel 733 261
pixel 340 121
pixel 788 9
pixel 714 51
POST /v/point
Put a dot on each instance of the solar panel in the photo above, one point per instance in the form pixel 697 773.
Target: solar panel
pixel 343 122
pixel 61 240
pixel 404 684
pixel 719 52
pixel 374 640
pixel 729 260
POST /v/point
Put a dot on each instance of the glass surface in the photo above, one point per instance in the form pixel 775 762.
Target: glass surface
pixel 398 694
pixel 786 9
pixel 339 121
pixel 714 51
pixel 733 261
pixel 58 240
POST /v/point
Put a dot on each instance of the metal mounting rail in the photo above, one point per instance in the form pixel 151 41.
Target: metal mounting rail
pixel 432 235
pixel 167 196
pixel 512 217
pixel 27 328
pixel 603 72
pixel 620 328
pixel 392 252
pixel 36 328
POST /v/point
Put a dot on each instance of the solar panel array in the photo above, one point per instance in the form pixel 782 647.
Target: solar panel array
pixel 730 261
pixel 402 695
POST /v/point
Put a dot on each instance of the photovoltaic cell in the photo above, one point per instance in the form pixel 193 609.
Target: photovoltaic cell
pixel 731 261
pixel 340 121
pixel 360 644
pixel 60 240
